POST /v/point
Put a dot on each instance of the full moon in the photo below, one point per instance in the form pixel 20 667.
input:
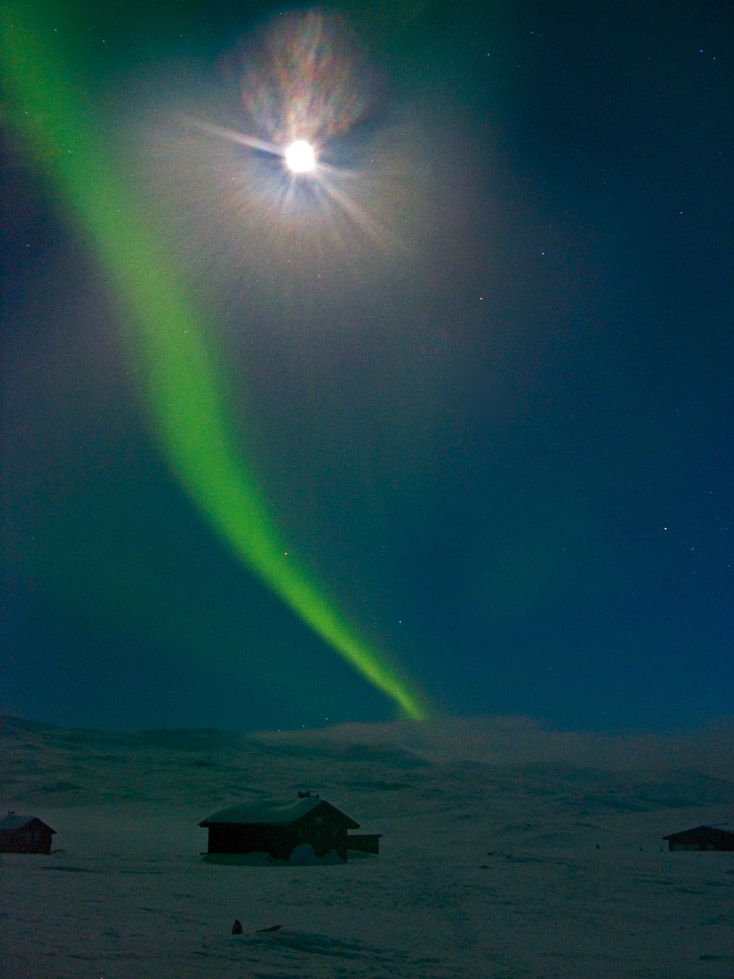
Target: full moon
pixel 300 156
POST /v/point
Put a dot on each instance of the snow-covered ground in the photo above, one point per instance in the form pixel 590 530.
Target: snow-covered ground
pixel 507 851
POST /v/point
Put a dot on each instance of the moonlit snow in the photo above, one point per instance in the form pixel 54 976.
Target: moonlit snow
pixel 507 851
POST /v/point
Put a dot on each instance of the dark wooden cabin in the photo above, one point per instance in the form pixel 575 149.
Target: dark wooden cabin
pixel 277 828
pixel 24 834
pixel 702 838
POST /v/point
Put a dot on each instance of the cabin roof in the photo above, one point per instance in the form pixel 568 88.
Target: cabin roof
pixel 726 828
pixel 17 821
pixel 273 813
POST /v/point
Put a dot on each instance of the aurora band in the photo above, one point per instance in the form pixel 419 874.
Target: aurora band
pixel 183 385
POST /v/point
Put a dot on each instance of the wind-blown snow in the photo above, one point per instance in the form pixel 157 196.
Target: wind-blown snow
pixel 507 851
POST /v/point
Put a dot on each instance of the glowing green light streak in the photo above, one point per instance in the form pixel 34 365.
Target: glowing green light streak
pixel 183 390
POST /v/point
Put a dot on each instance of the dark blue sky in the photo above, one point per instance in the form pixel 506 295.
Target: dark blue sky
pixel 494 423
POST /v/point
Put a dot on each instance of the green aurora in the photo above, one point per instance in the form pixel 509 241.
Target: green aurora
pixel 183 388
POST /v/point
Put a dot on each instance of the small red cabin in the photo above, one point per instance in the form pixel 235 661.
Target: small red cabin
pixel 703 838
pixel 24 834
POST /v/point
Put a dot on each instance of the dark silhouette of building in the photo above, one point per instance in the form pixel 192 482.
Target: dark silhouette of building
pixel 24 834
pixel 702 838
pixel 277 828
pixel 364 842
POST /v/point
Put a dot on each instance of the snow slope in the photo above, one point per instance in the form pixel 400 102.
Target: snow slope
pixel 507 851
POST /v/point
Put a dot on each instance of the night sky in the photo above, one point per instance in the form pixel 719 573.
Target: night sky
pixel 461 398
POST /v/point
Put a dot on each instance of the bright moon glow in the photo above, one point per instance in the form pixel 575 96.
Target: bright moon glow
pixel 300 156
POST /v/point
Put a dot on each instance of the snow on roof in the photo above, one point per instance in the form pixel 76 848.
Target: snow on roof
pixel 16 821
pixel 727 828
pixel 272 812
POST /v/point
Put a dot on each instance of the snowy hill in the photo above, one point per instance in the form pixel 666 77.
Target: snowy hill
pixel 507 851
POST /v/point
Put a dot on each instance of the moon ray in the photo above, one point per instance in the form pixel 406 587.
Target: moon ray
pixel 225 132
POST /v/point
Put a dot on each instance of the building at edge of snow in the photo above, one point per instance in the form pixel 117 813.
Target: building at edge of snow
pixel 24 834
pixel 277 828
pixel 720 837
